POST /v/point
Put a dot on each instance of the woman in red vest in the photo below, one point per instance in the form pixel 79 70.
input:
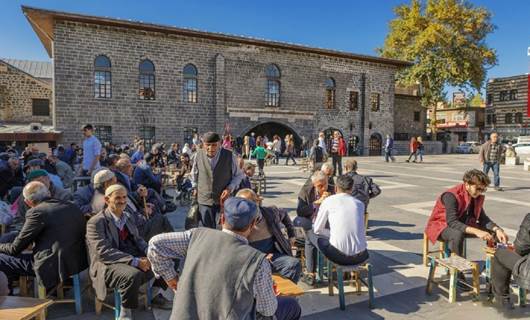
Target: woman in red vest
pixel 459 211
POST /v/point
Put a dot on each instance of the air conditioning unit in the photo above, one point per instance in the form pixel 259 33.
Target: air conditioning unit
pixel 35 127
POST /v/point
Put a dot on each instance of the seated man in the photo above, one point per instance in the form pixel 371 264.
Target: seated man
pixel 309 200
pixel 64 171
pixel 344 243
pixel 143 174
pixel 240 282
pixel 38 164
pixel 249 169
pixel 507 262
pixel 117 252
pixel 10 175
pixel 57 231
pixel 103 179
pixel 268 238
pixel 84 195
pixel 364 188
pixel 184 173
pixel 56 192
pixel 459 211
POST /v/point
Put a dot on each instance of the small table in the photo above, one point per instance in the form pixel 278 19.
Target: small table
pixel 286 287
pixel 22 308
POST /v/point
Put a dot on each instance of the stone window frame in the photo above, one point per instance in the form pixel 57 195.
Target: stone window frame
pixel 375 107
pixel 103 133
pixel 512 94
pixel 353 106
pixel 148 135
pixel 146 80
pixel 518 118
pixel 508 118
pixel 190 90
pixel 417 116
pixel 102 77
pixel 44 109
pixel 503 95
pixel 330 93
pixel 273 86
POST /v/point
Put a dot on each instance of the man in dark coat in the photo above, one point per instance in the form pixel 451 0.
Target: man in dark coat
pixel 58 252
pixel 507 262
pixel 268 238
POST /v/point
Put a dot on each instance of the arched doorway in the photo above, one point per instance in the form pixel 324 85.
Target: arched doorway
pixel 269 129
pixel 376 142
pixel 353 145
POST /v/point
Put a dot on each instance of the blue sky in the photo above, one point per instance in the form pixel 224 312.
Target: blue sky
pixel 353 26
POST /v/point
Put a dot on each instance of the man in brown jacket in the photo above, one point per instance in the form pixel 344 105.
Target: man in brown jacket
pixel 490 157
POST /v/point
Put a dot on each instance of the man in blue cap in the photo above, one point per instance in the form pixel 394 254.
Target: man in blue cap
pixel 223 277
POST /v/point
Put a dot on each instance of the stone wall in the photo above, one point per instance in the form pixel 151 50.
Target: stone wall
pixel 17 91
pixel 404 121
pixel 231 86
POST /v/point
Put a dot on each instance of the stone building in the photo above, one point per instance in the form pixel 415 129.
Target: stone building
pixel 26 98
pixel 164 83
pixel 507 106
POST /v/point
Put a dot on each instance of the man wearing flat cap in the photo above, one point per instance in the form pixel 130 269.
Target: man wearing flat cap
pixel 215 176
pixel 240 286
pixel 117 252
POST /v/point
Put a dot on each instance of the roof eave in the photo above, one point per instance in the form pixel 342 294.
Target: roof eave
pixel 42 21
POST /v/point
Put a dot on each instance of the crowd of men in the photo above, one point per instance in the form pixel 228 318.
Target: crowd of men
pixel 117 227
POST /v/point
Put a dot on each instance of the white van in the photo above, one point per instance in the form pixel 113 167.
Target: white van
pixel 522 146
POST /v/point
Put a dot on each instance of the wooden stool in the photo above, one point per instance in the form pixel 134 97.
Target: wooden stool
pixel 454 264
pixel 443 252
pixel 148 296
pixel 42 294
pixel 300 245
pixel 355 279
pixel 521 292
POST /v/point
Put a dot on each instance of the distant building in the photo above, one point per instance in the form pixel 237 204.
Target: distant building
pixel 164 83
pixel 26 98
pixel 465 121
pixel 507 106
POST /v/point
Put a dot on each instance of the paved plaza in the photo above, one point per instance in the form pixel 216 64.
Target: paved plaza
pixel 397 219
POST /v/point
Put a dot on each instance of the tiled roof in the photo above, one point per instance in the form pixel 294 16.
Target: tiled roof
pixel 37 69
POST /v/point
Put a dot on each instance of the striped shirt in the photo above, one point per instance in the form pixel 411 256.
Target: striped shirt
pixel 165 247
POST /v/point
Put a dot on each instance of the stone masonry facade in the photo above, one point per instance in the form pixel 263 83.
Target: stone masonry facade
pixel 407 124
pixel 17 91
pixel 231 85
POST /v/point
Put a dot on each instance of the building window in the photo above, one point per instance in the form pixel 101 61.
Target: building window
pixel 354 100
pixel 102 78
pixel 41 107
pixel 272 95
pixel 508 118
pixel 190 84
pixel 489 99
pixel 518 118
pixel 513 94
pixel 417 116
pixel 375 101
pixel 503 95
pixel 103 133
pixel 147 80
pixel 147 134
pixel 330 93
pixel 401 136
pixel 489 119
pixel 494 119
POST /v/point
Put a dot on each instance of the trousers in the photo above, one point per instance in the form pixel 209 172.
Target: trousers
pixel 127 280
pixel 455 240
pixel 337 164
pixel 209 215
pixel 501 270
pixel 495 166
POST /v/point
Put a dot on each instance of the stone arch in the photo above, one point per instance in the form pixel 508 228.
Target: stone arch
pixel 271 128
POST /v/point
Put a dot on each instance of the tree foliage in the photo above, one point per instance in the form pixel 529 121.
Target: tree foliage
pixel 446 40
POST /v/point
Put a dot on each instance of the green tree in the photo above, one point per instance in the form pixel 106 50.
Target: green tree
pixel 446 41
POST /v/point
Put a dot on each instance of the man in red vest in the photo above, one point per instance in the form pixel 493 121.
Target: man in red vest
pixel 459 211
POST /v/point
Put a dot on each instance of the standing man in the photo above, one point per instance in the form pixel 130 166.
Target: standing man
pixel 389 147
pixel 215 175
pixel 241 285
pixel 91 151
pixel 338 150
pixel 490 158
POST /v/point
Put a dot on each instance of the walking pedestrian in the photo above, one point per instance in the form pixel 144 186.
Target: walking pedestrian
pixel 322 144
pixel 338 150
pixel 421 148
pixel 277 148
pixel 389 148
pixel 490 157
pixel 413 148
pixel 290 150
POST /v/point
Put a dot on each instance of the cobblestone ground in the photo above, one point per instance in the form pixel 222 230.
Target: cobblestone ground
pixel 397 219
